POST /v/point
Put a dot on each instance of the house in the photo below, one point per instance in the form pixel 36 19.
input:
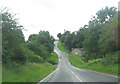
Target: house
pixel 77 51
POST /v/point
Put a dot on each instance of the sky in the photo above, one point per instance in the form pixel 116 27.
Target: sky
pixel 54 16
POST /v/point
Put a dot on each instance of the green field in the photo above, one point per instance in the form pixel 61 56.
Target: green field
pixel 62 48
pixel 96 66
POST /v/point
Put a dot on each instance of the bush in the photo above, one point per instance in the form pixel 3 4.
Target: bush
pixel 38 49
pixel 111 58
pixel 53 58
pixel 30 55
pixel 18 56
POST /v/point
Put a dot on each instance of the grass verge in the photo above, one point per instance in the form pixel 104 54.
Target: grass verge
pixel 31 72
pixel 62 48
pixel 97 66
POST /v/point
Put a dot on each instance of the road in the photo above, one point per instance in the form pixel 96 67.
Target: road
pixel 65 72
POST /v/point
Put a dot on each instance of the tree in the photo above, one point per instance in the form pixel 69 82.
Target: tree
pixel 80 37
pixel 98 37
pixel 59 35
pixel 69 41
pixel 45 39
pixel 91 42
pixel 38 49
pixel 12 37
pixel 32 37
pixel 106 14
pixel 41 44
pixel 109 38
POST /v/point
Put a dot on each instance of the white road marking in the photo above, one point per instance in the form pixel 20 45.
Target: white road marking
pixel 47 76
pixel 73 73
pixel 77 68
pixel 59 60
pixel 77 77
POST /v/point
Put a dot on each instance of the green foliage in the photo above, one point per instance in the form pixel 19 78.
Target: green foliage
pixel 38 49
pixel 12 38
pixel 18 56
pixel 94 61
pixel 111 58
pixel 32 37
pixel 31 72
pixel 69 41
pixel 109 37
pixel 43 38
pixel 98 38
pixel 61 47
pixel 118 29
pixel 25 61
pixel 80 37
pixel 59 35
pixel 106 14
pixel 16 50
pixel 30 55
pixel 53 58
pixel 91 39
pixel 41 44
pixel 95 65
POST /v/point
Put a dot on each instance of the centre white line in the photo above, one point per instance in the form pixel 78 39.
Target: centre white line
pixel 77 77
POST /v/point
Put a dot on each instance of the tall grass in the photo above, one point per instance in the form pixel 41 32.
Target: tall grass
pixel 31 72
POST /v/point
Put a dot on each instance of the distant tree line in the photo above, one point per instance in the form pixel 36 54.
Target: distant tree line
pixel 98 38
pixel 15 50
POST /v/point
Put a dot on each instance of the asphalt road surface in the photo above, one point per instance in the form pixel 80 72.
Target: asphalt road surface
pixel 65 72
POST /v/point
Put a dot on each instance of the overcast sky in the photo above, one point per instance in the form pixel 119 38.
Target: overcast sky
pixel 55 15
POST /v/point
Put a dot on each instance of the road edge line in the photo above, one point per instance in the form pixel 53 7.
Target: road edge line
pixel 97 72
pixel 103 73
pixel 47 76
